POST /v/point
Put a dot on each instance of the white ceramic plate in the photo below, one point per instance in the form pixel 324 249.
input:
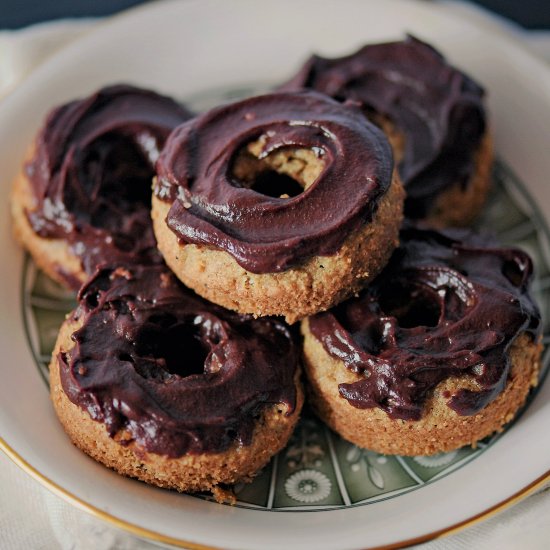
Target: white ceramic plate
pixel 200 50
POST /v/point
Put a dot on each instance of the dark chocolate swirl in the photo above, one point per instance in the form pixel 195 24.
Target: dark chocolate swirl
pixel 448 304
pixel 264 233
pixel 92 171
pixel 437 108
pixel 179 374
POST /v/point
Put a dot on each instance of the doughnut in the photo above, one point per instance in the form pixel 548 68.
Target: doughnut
pixel 156 383
pixel 433 115
pixel 438 352
pixel 84 196
pixel 281 204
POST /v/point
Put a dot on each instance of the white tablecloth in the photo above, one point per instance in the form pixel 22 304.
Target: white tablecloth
pixel 32 518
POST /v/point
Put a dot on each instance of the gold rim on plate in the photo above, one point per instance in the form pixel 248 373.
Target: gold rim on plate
pixel 143 533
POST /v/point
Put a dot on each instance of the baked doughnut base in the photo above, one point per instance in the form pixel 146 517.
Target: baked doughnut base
pixel 53 256
pixel 316 285
pixel 189 473
pixel 441 429
pixel 460 204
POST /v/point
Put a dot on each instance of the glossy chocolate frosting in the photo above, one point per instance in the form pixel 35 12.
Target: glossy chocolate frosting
pixel 437 108
pixel 265 233
pixel 179 374
pixel 448 304
pixel 92 170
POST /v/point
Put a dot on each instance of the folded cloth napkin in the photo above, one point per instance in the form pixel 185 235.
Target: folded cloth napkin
pixel 33 518
pixel 22 50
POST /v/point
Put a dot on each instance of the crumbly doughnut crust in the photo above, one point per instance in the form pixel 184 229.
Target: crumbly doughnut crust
pixel 316 285
pixel 53 256
pixel 441 429
pixel 189 473
pixel 460 204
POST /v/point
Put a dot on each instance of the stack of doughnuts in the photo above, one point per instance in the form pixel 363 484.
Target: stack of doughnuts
pixel 322 205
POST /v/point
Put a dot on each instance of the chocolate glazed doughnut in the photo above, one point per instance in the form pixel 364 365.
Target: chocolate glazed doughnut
pixel 158 384
pixel 281 204
pixel 433 115
pixel 438 352
pixel 84 196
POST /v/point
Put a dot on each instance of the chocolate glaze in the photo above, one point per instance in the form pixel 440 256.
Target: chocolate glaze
pixel 179 374
pixel 264 233
pixel 92 170
pixel 448 304
pixel 437 108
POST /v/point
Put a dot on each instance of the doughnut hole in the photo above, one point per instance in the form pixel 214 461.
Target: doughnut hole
pixel 164 351
pixel 284 173
pixel 116 184
pixel 411 305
